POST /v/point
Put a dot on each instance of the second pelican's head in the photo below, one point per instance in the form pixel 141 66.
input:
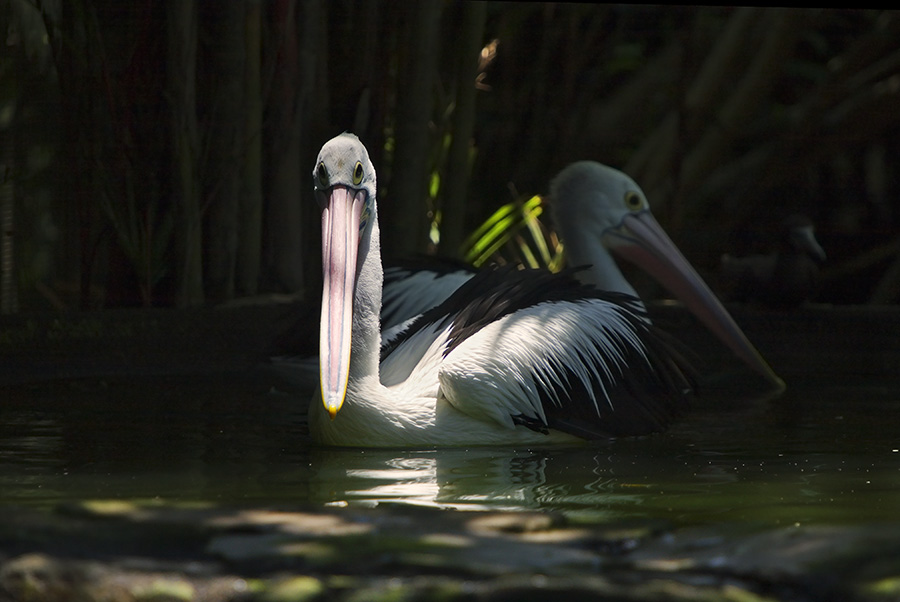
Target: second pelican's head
pixel 597 207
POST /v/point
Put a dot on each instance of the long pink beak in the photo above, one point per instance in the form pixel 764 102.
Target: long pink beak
pixel 641 240
pixel 340 245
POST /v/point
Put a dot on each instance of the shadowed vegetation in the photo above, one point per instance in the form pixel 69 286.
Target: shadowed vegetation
pixel 158 153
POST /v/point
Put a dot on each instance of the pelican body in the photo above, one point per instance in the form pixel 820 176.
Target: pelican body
pixel 597 210
pixel 512 357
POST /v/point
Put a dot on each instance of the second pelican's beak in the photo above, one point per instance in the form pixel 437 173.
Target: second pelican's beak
pixel 640 239
pixel 341 217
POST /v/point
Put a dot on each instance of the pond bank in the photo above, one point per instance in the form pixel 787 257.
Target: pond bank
pixel 118 551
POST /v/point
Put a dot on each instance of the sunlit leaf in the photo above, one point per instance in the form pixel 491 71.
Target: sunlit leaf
pixel 435 185
pixel 516 227
pixel 473 239
pixel 537 235
pixel 527 257
pixel 435 232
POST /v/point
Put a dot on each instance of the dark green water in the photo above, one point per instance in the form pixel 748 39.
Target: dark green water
pixel 822 453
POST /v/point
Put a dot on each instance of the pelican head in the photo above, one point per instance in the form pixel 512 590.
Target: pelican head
pixel 345 189
pixel 590 198
pixel 801 235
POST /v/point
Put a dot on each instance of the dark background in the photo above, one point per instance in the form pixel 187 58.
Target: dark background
pixel 159 153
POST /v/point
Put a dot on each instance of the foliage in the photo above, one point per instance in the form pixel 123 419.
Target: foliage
pixel 727 117
pixel 142 233
pixel 515 234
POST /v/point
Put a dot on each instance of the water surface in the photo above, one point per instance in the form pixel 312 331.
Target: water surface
pixel 821 453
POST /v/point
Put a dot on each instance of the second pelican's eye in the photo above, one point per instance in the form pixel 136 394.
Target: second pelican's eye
pixel 633 201
pixel 358 173
pixel 322 175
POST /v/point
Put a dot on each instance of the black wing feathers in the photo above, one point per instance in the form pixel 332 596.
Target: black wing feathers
pixel 652 391
pixel 494 292
pixel 398 269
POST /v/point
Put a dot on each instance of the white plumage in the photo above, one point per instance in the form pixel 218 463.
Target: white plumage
pixel 597 210
pixel 513 357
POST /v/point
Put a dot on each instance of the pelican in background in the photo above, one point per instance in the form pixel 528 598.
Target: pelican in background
pixel 512 357
pixel 783 279
pixel 596 209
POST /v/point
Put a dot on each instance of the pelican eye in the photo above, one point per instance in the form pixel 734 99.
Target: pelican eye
pixel 357 173
pixel 633 201
pixel 322 175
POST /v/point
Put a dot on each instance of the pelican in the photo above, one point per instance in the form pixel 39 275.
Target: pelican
pixel 413 286
pixel 782 279
pixel 512 357
pixel 596 209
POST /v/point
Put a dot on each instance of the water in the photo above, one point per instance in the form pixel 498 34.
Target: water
pixel 822 453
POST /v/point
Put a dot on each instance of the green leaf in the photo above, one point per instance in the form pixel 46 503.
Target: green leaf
pixel 517 227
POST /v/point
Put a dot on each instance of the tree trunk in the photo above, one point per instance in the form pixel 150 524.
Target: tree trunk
pixel 404 218
pixel 250 234
pixel 181 26
pixel 8 291
pixel 225 141
pixel 456 176
pixel 745 99
pixel 655 162
pixel 78 83
pixel 722 111
pixel 315 129
pixel 284 241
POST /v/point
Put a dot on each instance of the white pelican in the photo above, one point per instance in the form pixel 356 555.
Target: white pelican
pixel 413 286
pixel 596 209
pixel 513 357
pixel 784 278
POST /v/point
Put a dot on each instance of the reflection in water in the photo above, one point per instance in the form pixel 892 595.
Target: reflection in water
pixel 820 454
pixel 453 478
pixel 603 486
